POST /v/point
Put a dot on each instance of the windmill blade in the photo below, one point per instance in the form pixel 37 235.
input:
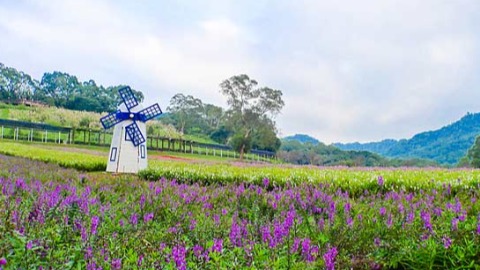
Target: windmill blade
pixel 110 120
pixel 133 131
pixel 128 97
pixel 149 112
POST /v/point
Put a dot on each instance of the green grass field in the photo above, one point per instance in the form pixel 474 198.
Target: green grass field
pixel 60 210
pixel 209 169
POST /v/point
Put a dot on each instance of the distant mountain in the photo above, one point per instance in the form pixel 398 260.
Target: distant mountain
pixel 302 138
pixel 446 145
pixel 297 152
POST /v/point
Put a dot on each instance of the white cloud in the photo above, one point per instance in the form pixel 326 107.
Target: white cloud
pixel 195 60
pixel 350 70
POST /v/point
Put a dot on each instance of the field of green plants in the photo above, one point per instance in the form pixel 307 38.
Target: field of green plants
pixel 59 211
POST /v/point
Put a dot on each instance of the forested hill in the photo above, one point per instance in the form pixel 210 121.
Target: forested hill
pixel 58 89
pixel 446 145
pixel 302 138
pixel 303 149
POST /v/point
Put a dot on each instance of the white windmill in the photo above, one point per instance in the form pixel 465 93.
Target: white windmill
pixel 128 151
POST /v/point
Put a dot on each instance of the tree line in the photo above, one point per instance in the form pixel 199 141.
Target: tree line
pixel 248 122
pixel 58 89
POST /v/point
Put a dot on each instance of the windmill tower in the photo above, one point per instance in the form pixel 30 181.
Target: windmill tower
pixel 128 151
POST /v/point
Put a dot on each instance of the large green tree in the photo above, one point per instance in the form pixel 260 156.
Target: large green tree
pixel 58 88
pixel 249 105
pixel 191 116
pixel 16 85
pixel 185 110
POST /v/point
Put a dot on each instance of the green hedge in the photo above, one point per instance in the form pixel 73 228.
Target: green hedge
pixel 355 180
pixel 75 160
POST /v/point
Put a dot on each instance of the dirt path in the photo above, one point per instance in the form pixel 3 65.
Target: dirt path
pixel 167 157
pixel 73 149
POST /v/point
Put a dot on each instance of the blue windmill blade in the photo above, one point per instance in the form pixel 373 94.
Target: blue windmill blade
pixel 134 133
pixel 149 112
pixel 128 97
pixel 110 120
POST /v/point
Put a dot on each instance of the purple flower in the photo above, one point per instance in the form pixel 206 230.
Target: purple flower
pixel 425 216
pixel 265 230
pixel 454 224
pixel 350 222
pixel 331 213
pixel 410 217
pixel 94 225
pixel 296 243
pixel 193 224
pixel 83 233
pixel 134 219
pixel 147 217
pixel 117 264
pixel 458 206
pixel 321 224
pixel 217 245
pixel 142 201
pixel 424 236
pixel 380 181
pixel 447 242
pixel 178 254
pixel 140 261
pixel 29 245
pixel 377 241
pixel 389 221
pixel 383 211
pixel 3 261
pixel 88 254
pixel 235 234
pixel 329 258
pixel 265 182
pixel 172 230
pixel 197 251
pixel 216 219
pixel 306 250
pixel 20 184
pixel 91 266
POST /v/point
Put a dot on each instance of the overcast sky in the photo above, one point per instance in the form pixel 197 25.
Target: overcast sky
pixel 349 70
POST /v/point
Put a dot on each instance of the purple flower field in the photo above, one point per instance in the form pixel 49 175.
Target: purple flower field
pixel 68 220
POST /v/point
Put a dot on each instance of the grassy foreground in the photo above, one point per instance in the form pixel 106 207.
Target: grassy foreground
pixel 234 216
